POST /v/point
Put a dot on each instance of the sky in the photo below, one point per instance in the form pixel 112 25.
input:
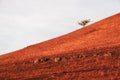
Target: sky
pixel 27 22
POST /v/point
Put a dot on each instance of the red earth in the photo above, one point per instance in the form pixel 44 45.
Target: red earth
pixel 90 53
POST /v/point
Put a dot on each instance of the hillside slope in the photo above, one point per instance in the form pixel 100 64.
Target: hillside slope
pixel 90 53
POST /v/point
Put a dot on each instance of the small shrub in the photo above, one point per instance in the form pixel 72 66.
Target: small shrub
pixel 84 22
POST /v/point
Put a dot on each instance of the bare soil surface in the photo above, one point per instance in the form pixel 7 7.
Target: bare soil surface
pixel 90 53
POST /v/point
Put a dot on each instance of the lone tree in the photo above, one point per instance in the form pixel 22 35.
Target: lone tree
pixel 84 22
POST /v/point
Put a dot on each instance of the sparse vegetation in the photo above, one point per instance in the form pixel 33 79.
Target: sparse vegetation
pixel 84 22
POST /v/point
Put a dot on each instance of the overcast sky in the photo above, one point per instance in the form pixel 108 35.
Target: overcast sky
pixel 26 22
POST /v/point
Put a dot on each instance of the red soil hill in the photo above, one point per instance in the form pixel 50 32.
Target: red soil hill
pixel 90 53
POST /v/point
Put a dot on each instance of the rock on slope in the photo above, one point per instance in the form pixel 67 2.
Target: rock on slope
pixel 90 53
